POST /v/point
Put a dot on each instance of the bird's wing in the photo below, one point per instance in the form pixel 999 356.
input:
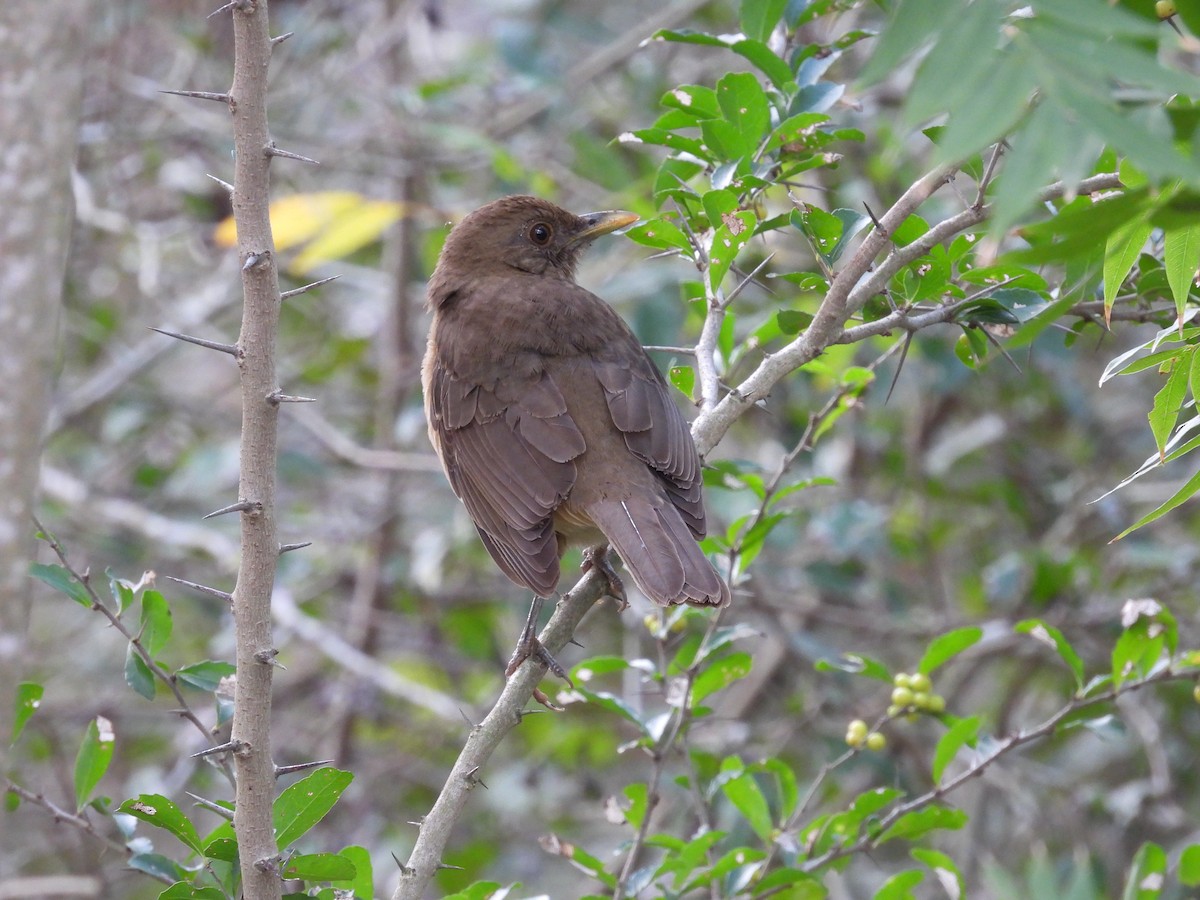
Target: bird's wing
pixel 507 449
pixel 640 404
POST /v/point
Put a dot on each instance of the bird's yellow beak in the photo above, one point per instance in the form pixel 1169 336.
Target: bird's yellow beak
pixel 598 223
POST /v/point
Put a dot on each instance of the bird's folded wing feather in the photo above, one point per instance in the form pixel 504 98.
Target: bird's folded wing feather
pixel 508 451
pixel 654 429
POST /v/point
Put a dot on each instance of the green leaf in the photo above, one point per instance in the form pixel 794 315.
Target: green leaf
pixel 945 647
pixel 637 796
pixel 744 793
pixel 26 703
pixel 759 17
pixel 1184 493
pixel 121 590
pixel 224 848
pixel 161 812
pixel 1137 650
pixel 943 867
pixel 756 52
pixel 824 230
pixel 320 867
pixel 964 731
pixel 855 664
pixel 1053 637
pixel 1181 256
pixel 959 64
pixel 305 803
pixel 1122 250
pixel 919 823
pixel 785 781
pixel 91 762
pixel 900 885
pixel 156 622
pixel 1189 866
pixel 137 674
pixel 185 890
pixel 745 107
pixel 684 378
pixel 205 675
pixel 156 866
pixel 61 580
pixel 735 229
pixel 362 884
pixel 661 234
pixel 1169 401
pixel 1147 873
pixel 720 674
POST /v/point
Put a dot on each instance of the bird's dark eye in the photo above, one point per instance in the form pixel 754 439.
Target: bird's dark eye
pixel 540 234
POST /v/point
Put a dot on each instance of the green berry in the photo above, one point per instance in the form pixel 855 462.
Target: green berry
pixel 902 696
pixel 901 680
pixel 920 699
pixel 937 703
pixel 894 711
pixel 1164 9
pixel 920 682
pixel 876 741
pixel 856 733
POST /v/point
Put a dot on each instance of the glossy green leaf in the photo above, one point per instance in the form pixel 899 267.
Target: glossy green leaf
pixel 694 99
pixel 1189 866
pixel 1053 637
pixel 305 803
pixel 121 590
pixel 855 664
pixel 205 675
pixel 719 675
pixel 661 234
pixel 959 64
pixel 156 865
pixel 961 733
pixel 1147 873
pixel 1181 257
pixel 727 241
pixel 759 17
pixel 92 759
pixel 745 107
pixel 1121 251
pixel 684 378
pixel 224 848
pixel 60 579
pixel 900 885
pixel 157 810
pixel 944 868
pixel 26 702
pixel 185 890
pixel 362 882
pixel 137 674
pixel 756 52
pixel 744 793
pixel 919 823
pixel 1185 493
pixel 320 867
pixel 1169 400
pixel 946 646
pixel 156 622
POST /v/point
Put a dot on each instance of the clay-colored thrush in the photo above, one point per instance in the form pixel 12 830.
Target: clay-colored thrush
pixel 552 423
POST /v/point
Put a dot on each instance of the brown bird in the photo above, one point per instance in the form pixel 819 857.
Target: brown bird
pixel 553 425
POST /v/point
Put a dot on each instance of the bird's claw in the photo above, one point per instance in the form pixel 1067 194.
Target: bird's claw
pixel 529 647
pixel 598 558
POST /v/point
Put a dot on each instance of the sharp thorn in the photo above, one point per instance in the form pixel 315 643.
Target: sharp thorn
pixel 272 150
pixel 300 767
pixel 252 260
pixel 216 12
pixel 220 810
pixel 221 182
pixel 231 349
pixel 576 643
pixel 230 746
pixel 277 397
pixel 199 95
pixel 240 506
pixel 202 588
pixel 441 866
pixel 281 38
pixel 269 658
pixel 308 287
pixel 288 548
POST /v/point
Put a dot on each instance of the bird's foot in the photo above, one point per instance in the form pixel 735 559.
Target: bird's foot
pixel 598 558
pixel 529 647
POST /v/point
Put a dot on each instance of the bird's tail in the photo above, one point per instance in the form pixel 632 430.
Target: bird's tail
pixel 659 551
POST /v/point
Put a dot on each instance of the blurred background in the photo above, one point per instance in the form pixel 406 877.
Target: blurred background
pixel 965 498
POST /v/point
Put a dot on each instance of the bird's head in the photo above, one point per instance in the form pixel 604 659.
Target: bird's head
pixel 520 234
